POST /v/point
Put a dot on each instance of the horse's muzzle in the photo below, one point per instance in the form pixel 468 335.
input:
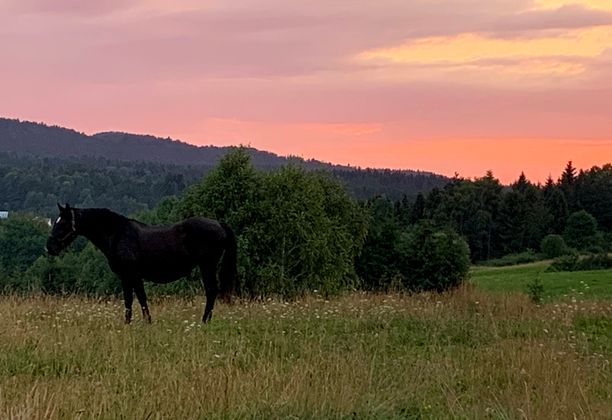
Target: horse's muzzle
pixel 51 250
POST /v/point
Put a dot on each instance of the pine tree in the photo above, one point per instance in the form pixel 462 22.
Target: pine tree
pixel 567 183
pixel 524 217
pixel 418 209
pixel 568 177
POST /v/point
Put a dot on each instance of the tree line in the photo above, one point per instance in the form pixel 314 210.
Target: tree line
pixel 497 220
pixel 297 231
pixel 301 231
pixel 30 184
pixel 34 184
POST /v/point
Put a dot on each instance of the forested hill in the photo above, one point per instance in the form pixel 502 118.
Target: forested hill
pixel 29 138
pixel 40 163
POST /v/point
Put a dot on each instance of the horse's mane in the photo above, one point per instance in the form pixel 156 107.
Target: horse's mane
pixel 106 215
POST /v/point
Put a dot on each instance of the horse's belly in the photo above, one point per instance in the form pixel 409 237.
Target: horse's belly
pixel 166 270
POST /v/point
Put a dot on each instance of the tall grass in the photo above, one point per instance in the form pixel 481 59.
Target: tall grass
pixel 467 354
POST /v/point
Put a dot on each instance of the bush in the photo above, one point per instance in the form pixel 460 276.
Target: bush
pixel 607 241
pixel 580 230
pixel 432 259
pixel 377 264
pixel 553 246
pixel 22 241
pixel 601 261
pixel 296 230
pixel 525 257
pixel 565 263
pixel 535 290
pixel 574 263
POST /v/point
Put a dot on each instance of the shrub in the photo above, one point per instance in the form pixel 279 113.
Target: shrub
pixel 607 241
pixel 296 230
pixel 22 241
pixel 553 246
pixel 573 262
pixel 535 289
pixel 524 257
pixel 377 264
pixel 432 259
pixel 580 230
pixel 600 261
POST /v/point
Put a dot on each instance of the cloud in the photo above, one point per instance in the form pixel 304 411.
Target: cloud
pixel 161 40
pixel 136 41
pixel 565 17
pixel 70 7
pixel 591 4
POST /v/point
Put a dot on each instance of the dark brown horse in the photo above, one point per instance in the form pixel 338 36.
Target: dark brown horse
pixel 161 254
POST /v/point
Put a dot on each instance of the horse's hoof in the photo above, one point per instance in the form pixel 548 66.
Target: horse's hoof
pixel 146 315
pixel 128 317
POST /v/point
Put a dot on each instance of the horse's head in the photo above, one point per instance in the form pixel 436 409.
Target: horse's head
pixel 63 232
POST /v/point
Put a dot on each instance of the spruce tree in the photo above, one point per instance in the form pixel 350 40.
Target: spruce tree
pixel 567 185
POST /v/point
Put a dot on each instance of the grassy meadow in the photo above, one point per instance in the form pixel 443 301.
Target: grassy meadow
pixel 484 351
pixel 596 284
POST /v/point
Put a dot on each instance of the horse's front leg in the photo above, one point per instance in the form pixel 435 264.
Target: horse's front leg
pixel 128 298
pixel 142 299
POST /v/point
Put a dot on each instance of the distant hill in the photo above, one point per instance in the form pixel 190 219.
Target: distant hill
pixel 29 138
pixel 24 138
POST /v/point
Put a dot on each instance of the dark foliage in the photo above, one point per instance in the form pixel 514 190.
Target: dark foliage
pixel 394 184
pixel 573 262
pixel 413 257
pixel 580 230
pixel 22 241
pixel 497 221
pixel 524 257
pixel 34 184
pixel 553 246
pixel 432 259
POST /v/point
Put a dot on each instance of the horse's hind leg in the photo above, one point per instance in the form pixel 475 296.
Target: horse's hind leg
pixel 142 299
pixel 128 298
pixel 209 281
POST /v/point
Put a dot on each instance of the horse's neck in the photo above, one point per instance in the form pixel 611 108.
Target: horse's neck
pixel 101 227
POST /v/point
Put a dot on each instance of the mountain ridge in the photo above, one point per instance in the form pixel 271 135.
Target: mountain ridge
pixel 27 138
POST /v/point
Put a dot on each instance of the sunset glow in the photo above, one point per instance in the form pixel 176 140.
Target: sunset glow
pixel 547 53
pixel 594 4
pixel 456 86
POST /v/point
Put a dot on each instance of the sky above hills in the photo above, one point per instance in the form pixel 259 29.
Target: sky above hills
pixel 439 85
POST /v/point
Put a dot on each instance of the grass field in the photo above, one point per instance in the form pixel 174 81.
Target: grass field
pixel 473 353
pixel 576 284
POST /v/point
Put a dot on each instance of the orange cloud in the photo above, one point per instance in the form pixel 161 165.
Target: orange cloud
pixel 592 4
pixel 549 53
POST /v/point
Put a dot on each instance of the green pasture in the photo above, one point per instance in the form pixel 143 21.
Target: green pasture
pixel 594 284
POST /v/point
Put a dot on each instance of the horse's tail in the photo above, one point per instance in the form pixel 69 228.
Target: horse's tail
pixel 228 270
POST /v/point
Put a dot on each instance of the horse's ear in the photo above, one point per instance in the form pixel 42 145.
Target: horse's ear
pixel 67 206
pixel 59 206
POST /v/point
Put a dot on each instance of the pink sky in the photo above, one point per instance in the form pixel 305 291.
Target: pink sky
pixel 438 85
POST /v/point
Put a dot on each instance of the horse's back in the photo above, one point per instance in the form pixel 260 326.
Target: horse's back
pixel 201 225
pixel 191 237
